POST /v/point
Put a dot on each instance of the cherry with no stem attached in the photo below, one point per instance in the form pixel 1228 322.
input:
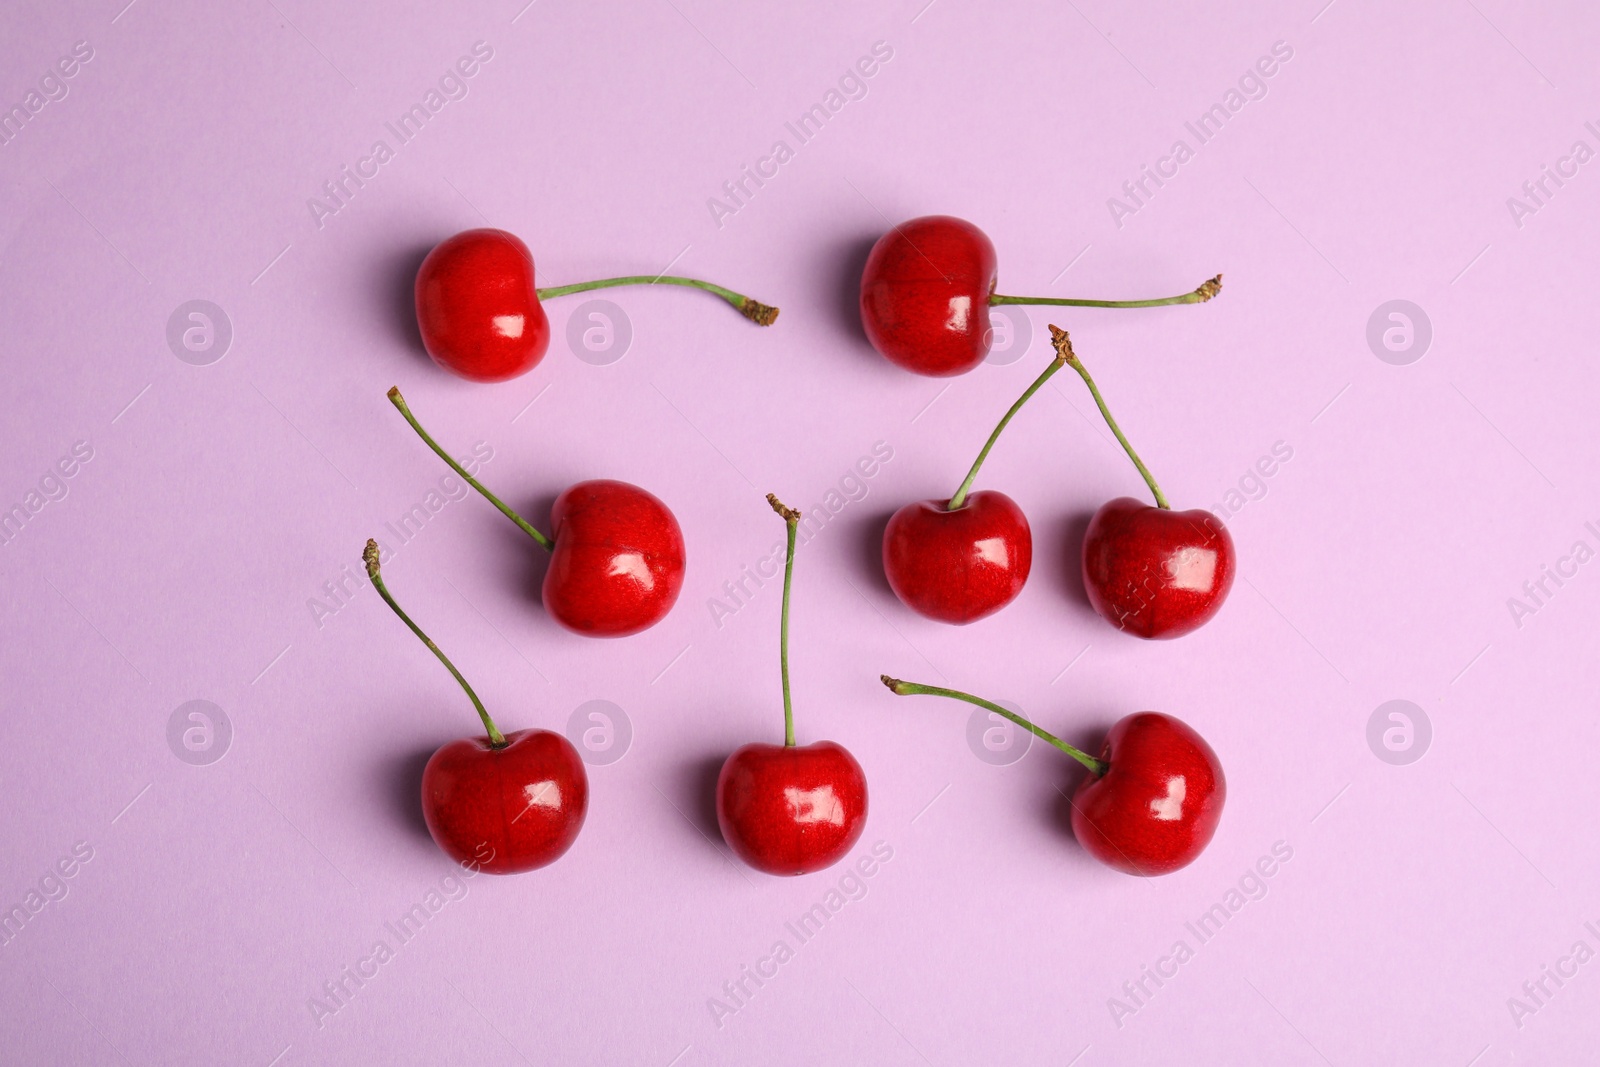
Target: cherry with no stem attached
pixel 788 809
pixel 1150 571
pixel 503 803
pixel 928 287
pixel 962 559
pixel 481 316
pixel 1153 797
pixel 616 552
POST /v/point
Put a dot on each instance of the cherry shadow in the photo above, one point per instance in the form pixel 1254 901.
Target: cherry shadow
pixel 397 275
pixel 695 789
pixel 1068 532
pixel 866 537
pixel 536 561
pixel 1067 774
pixel 400 780
pixel 849 258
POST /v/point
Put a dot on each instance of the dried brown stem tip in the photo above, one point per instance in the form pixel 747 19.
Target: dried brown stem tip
pixel 758 313
pixel 892 683
pixel 370 556
pixel 789 514
pixel 1210 289
pixel 1062 343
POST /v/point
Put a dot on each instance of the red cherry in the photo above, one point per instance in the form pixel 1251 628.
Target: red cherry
pixel 477 308
pixel 1156 573
pixel 500 803
pixel 506 810
pixel 1158 804
pixel 958 566
pixel 618 562
pixel 968 557
pixel 791 810
pixel 785 809
pixel 1153 798
pixel 481 316
pixel 925 295
pixel 927 289
pixel 616 554
pixel 1151 571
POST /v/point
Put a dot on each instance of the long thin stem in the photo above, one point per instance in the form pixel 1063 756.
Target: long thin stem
pixel 1203 292
pixel 1063 343
pixel 906 689
pixel 791 519
pixel 523 524
pixel 757 312
pixel 961 494
pixel 370 555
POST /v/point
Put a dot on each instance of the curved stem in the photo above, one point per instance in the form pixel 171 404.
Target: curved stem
pixel 791 519
pixel 757 312
pixel 370 555
pixel 906 689
pixel 1201 293
pixel 961 494
pixel 1063 343
pixel 523 524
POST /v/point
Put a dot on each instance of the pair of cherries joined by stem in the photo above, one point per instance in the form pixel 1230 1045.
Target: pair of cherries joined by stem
pixel 927 289
pixel 502 803
pixel 482 318
pixel 1153 797
pixel 616 552
pixel 1149 571
pixel 791 809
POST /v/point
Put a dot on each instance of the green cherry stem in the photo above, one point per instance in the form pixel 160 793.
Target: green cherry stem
pixel 757 312
pixel 370 555
pixel 400 402
pixel 908 689
pixel 1063 345
pixel 1205 291
pixel 961 494
pixel 791 519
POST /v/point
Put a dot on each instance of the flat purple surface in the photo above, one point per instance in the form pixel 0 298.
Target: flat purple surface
pixel 207 549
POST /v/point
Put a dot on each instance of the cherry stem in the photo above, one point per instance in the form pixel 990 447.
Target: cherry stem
pixel 961 494
pixel 1205 291
pixel 907 689
pixel 757 312
pixel 1063 345
pixel 791 519
pixel 370 555
pixel 526 527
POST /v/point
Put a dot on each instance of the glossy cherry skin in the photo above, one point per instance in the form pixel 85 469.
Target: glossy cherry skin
pixel 791 810
pixel 505 810
pixel 925 295
pixel 617 565
pixel 1156 573
pixel 477 309
pixel 1157 807
pixel 958 566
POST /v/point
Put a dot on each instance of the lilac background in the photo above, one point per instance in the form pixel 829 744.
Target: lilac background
pixel 220 498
